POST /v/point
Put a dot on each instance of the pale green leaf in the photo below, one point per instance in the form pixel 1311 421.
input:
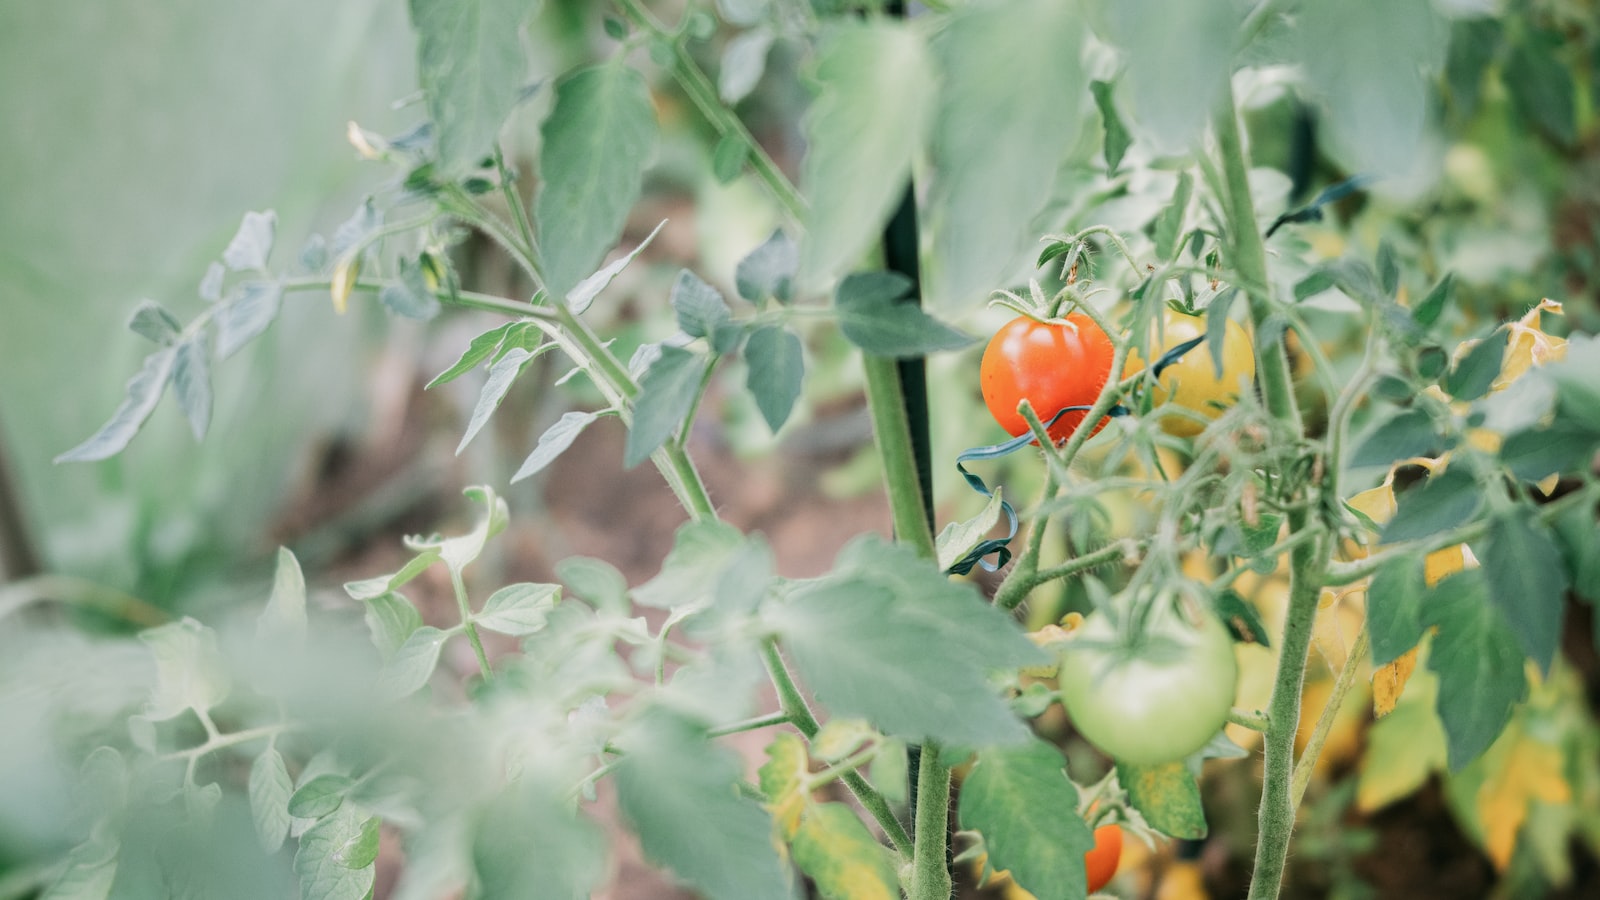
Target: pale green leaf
pixel 1020 800
pixel 666 394
pixel 471 65
pixel 285 614
pixel 845 861
pixel 518 609
pixel 143 393
pixel 555 440
pixel 190 672
pixel 774 372
pixel 270 789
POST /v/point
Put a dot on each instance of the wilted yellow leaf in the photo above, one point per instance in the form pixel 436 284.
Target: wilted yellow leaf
pixel 1389 681
pixel 1183 880
pixel 1529 770
pixel 1527 345
pixel 1403 748
pixel 782 781
pixel 842 857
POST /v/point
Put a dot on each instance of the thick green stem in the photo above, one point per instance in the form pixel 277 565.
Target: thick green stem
pixel 1308 560
pixel 886 403
pixel 1017 587
pixel 794 706
pixel 930 871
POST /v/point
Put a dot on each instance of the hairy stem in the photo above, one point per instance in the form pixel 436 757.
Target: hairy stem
pixel 1330 712
pixel 930 872
pixel 886 403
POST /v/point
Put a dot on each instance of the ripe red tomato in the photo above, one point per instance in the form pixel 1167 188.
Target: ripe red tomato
pixel 1101 860
pixel 1051 364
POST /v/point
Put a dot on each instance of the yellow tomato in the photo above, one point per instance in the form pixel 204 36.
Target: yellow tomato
pixel 1192 381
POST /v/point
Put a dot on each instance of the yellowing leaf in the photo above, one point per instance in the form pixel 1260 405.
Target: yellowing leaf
pixel 1527 344
pixel 1183 880
pixel 345 274
pixel 1528 770
pixel 841 856
pixel 1377 504
pixel 1440 564
pixel 1390 680
pixel 840 738
pixel 1403 748
pixel 783 782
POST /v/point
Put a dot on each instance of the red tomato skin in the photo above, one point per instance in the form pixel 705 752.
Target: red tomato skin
pixel 1052 365
pixel 1101 860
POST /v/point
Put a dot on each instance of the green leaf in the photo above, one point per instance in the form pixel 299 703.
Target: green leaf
pixel 1178 59
pixel 285 614
pixel 211 283
pixel 1440 296
pixel 581 297
pixel 1445 500
pixel 413 662
pixel 701 310
pixel 143 393
pixel 1169 224
pixel 391 619
pixel 190 673
pixel 1536 453
pixel 319 796
pixel 597 141
pixel 666 394
pixel 887 638
pixel 875 86
pixel 1473 45
pixel 91 870
pixel 744 59
pixel 700 551
pixel 1405 434
pixel 368 588
pixel 1167 796
pixel 457 552
pixel 411 298
pixel 191 384
pixel 1476 371
pixel 1243 622
pixel 152 321
pixel 998 64
pixel 845 861
pixel 1527 580
pixel 270 789
pixel 471 65
pixel 518 609
pixel 1575 530
pixel 1394 608
pixel 1577 380
pixel 359 229
pixel 1368 61
pixel 502 375
pixel 481 348
pixel 555 440
pixel 877 316
pixel 1479 663
pixel 528 843
pixel 728 158
pixel 325 850
pixel 1541 85
pixel 669 775
pixel 1117 139
pixel 768 270
pixel 774 372
pixel 960 538
pixel 247 312
pixel 838 738
pixel 1021 801
pixel 1388 268
pixel 596 581
pixel 1313 284
pixel 252 244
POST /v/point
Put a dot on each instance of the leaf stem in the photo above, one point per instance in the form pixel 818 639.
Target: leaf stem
pixel 460 588
pixel 1255 721
pixel 752 724
pixel 1330 712
pixel 1017 587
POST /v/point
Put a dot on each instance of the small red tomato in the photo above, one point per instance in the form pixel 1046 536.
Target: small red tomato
pixel 1101 860
pixel 1050 364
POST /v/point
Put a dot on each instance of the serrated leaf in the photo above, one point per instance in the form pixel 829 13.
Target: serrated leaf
pixel 581 297
pixel 1394 608
pixel 957 539
pixel 369 588
pixel 502 375
pixel 1562 447
pixel 152 321
pixel 555 440
pixel 518 609
pixel 700 308
pixel 479 349
pixel 1026 808
pixel 143 392
pixel 596 581
pixel 782 778
pixel 471 66
pixel 285 614
pixel 391 619
pixel 889 639
pixel 527 843
pixel 320 861
pixel 1167 796
pixel 842 858
pixel 1527 580
pixel 356 230
pixel 1178 59
pixel 669 774
pixel 457 552
pixel 191 384
pixel 252 244
pixel 190 673
pixel 1168 226
pixel 1475 372
pixel 700 551
pixel 413 662
pixel 1117 139
pixel 1406 434
pixel 998 64
pixel 768 270
pixel 666 394
pixel 874 84
pixel 744 59
pixel 248 312
pixel 597 141
pixel 774 372
pixel 1478 661
pixel 270 789
pixel 319 796
pixel 876 315
pixel 1445 500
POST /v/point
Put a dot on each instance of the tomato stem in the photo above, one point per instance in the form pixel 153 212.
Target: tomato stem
pixel 1330 712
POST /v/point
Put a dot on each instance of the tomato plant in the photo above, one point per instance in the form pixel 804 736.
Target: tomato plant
pixel 1053 364
pixel 1153 694
pixel 1195 382
pixel 1101 861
